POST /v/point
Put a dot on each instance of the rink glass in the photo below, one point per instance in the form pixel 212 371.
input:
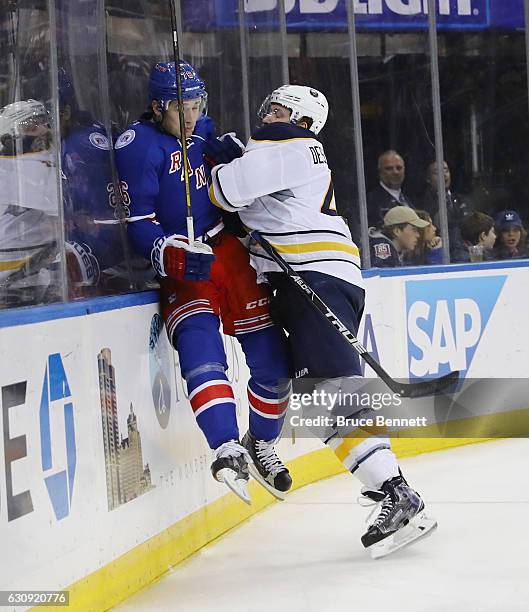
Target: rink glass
pixel 375 69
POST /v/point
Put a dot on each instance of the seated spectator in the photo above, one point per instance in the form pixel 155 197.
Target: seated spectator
pixel 456 208
pixel 388 193
pixel 429 248
pixel 512 237
pixel 477 230
pixel 397 239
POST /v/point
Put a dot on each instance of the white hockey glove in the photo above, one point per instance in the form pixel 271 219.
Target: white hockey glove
pixel 173 256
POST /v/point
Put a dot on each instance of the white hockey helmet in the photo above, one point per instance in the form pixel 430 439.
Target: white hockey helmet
pixel 19 116
pixel 302 101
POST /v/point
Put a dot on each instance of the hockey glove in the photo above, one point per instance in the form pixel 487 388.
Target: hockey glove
pixel 175 257
pixel 81 264
pixel 222 150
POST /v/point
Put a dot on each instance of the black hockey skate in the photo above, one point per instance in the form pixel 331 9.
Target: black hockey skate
pixel 401 519
pixel 267 468
pixel 230 466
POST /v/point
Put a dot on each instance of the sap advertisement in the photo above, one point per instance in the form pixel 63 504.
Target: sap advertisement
pixel 331 15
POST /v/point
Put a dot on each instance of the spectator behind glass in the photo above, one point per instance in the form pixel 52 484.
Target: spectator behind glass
pixel 456 208
pixel 512 237
pixel 388 193
pixel 394 244
pixel 429 247
pixel 477 229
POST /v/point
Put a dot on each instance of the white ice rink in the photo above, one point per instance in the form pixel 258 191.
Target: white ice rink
pixel 305 554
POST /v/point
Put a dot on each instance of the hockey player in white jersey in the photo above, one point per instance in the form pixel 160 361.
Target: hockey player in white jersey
pixel 282 187
pixel 28 206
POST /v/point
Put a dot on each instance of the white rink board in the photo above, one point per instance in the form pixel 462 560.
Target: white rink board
pixel 52 548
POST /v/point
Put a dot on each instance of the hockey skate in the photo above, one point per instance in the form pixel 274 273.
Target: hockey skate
pixel 267 468
pixel 401 520
pixel 230 466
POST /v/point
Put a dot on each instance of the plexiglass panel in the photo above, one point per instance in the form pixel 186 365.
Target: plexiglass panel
pixel 30 217
pixel 212 43
pixel 397 133
pixel 483 78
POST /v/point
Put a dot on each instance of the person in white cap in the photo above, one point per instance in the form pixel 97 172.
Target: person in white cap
pixel 398 236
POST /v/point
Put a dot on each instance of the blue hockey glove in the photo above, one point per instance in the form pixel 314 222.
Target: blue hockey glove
pixel 222 150
pixel 175 257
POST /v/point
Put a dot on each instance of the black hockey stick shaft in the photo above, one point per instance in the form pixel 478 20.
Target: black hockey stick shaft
pixel 183 138
pixel 419 389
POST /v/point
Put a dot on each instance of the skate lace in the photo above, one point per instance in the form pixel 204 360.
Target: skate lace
pixel 385 506
pixel 231 449
pixel 267 456
pixel 365 501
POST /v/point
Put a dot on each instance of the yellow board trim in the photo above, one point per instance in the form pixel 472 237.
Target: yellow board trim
pixel 308 247
pixel 146 563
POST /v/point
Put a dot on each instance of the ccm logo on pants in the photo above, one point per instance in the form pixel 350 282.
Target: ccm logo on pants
pixel 256 303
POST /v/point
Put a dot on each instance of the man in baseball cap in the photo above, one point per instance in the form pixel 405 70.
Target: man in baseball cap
pixel 399 235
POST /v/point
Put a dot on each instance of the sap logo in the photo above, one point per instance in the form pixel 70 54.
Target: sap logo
pixel 366 7
pixel 446 320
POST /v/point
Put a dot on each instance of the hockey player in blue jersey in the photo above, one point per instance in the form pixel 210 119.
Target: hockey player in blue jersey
pixel 90 212
pixel 282 187
pixel 204 282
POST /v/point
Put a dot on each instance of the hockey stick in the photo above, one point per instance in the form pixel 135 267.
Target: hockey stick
pixel 183 139
pixel 33 265
pixel 419 389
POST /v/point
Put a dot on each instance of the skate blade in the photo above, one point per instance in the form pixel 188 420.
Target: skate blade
pixel 419 527
pixel 254 472
pixel 237 485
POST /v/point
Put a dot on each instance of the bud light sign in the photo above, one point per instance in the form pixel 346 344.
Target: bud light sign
pixel 446 320
pixel 329 15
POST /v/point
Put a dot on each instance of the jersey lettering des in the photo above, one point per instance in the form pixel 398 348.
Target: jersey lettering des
pixel 282 186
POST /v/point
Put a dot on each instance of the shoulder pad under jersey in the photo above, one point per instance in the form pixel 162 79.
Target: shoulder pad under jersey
pixel 281 131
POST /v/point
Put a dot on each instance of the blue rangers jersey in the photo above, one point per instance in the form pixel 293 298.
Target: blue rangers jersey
pixel 150 168
pixel 89 202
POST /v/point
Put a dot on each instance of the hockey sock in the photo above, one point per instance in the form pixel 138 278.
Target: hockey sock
pixel 267 409
pixel 213 403
pixel 370 459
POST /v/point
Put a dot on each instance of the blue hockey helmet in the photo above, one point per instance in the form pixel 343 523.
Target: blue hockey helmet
pixel 163 86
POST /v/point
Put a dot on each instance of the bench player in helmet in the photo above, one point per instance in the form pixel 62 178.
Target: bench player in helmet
pixel 204 282
pixel 28 206
pixel 282 187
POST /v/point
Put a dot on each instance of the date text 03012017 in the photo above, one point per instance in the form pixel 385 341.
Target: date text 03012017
pixel 34 598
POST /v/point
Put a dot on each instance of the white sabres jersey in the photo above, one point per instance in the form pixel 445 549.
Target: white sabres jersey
pixel 28 208
pixel 282 187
